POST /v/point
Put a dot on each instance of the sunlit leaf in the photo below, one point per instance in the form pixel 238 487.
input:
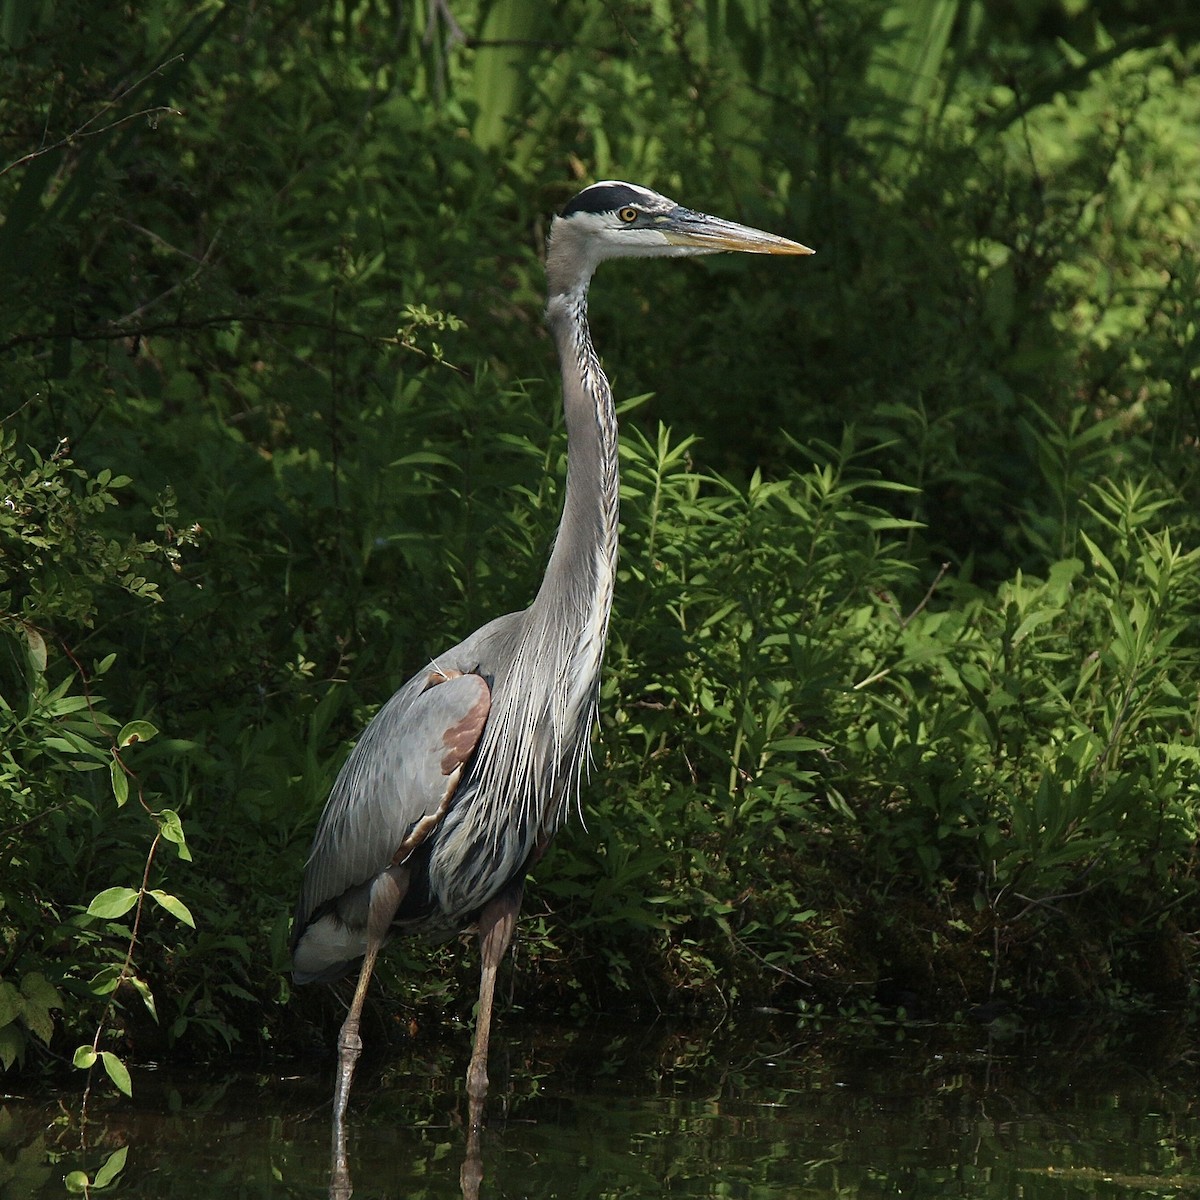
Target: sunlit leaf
pixel 135 731
pixel 36 645
pixel 113 902
pixel 120 781
pixel 113 1166
pixel 117 1071
pixel 143 989
pixel 174 906
pixel 171 828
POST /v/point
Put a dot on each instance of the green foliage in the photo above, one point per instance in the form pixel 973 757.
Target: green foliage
pixel 67 766
pixel 1050 725
pixel 903 665
pixel 735 628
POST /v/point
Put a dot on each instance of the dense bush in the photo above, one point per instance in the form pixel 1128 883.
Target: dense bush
pixel 902 692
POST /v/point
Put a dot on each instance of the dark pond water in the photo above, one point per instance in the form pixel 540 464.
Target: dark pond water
pixel 760 1110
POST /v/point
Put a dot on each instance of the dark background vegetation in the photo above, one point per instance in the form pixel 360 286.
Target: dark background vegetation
pixel 902 691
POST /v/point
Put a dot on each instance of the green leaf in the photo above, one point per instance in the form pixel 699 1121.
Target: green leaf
pixel 112 902
pixel 143 990
pixel 12 1044
pixel 77 1182
pixel 170 826
pixel 71 743
pixel 798 743
pixel 174 906
pixel 11 1003
pixel 39 998
pixel 84 1058
pixel 1099 558
pixel 136 731
pixel 37 989
pixel 120 782
pixel 36 645
pixel 117 1071
pixel 114 1164
pixel 106 980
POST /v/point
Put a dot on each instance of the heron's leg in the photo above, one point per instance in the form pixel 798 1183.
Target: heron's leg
pixel 496 924
pixel 386 894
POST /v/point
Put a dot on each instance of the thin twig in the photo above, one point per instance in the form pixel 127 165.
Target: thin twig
pixel 928 595
pixel 876 676
pixel 83 130
pixel 457 34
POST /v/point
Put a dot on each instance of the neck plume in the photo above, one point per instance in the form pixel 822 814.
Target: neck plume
pixel 583 560
pixel 567 623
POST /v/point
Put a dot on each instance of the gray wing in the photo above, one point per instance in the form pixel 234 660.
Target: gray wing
pixel 391 793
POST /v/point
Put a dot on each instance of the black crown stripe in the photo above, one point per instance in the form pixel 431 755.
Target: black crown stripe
pixel 602 198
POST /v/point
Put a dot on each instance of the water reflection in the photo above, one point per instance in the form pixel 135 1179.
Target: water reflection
pixel 763 1111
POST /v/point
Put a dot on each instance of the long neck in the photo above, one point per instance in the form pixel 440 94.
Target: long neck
pixel 544 703
pixel 583 562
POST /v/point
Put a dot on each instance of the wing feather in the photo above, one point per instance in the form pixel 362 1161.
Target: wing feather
pixel 391 793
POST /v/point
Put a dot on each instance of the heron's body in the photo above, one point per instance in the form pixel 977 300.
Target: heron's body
pixel 541 668
pixel 379 796
pixel 459 782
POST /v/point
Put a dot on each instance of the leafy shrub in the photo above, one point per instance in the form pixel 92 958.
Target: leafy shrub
pixel 66 762
pixel 292 279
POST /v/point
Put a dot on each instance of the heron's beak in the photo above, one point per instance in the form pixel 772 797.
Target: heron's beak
pixel 683 227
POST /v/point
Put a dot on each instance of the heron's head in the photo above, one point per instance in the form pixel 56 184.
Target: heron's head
pixel 611 219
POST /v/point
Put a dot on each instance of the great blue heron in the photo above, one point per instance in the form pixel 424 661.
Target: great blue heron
pixel 459 782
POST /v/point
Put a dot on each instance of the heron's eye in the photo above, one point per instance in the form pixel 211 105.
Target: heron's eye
pixel 628 215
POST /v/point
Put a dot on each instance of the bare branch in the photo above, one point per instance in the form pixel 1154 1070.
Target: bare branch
pixel 85 129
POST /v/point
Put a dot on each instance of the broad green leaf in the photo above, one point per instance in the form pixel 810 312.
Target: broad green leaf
pixel 174 906
pixel 39 1022
pixel 135 731
pixel 36 1012
pixel 37 989
pixel 170 826
pixel 117 1071
pixel 11 1003
pixel 114 1164
pixel 85 1057
pixel 105 980
pixel 77 1182
pixel 11 1046
pixel 113 902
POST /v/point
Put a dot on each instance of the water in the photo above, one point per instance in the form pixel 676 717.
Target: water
pixel 756 1111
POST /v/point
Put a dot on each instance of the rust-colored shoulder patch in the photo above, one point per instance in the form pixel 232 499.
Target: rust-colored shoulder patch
pixel 437 675
pixel 460 740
